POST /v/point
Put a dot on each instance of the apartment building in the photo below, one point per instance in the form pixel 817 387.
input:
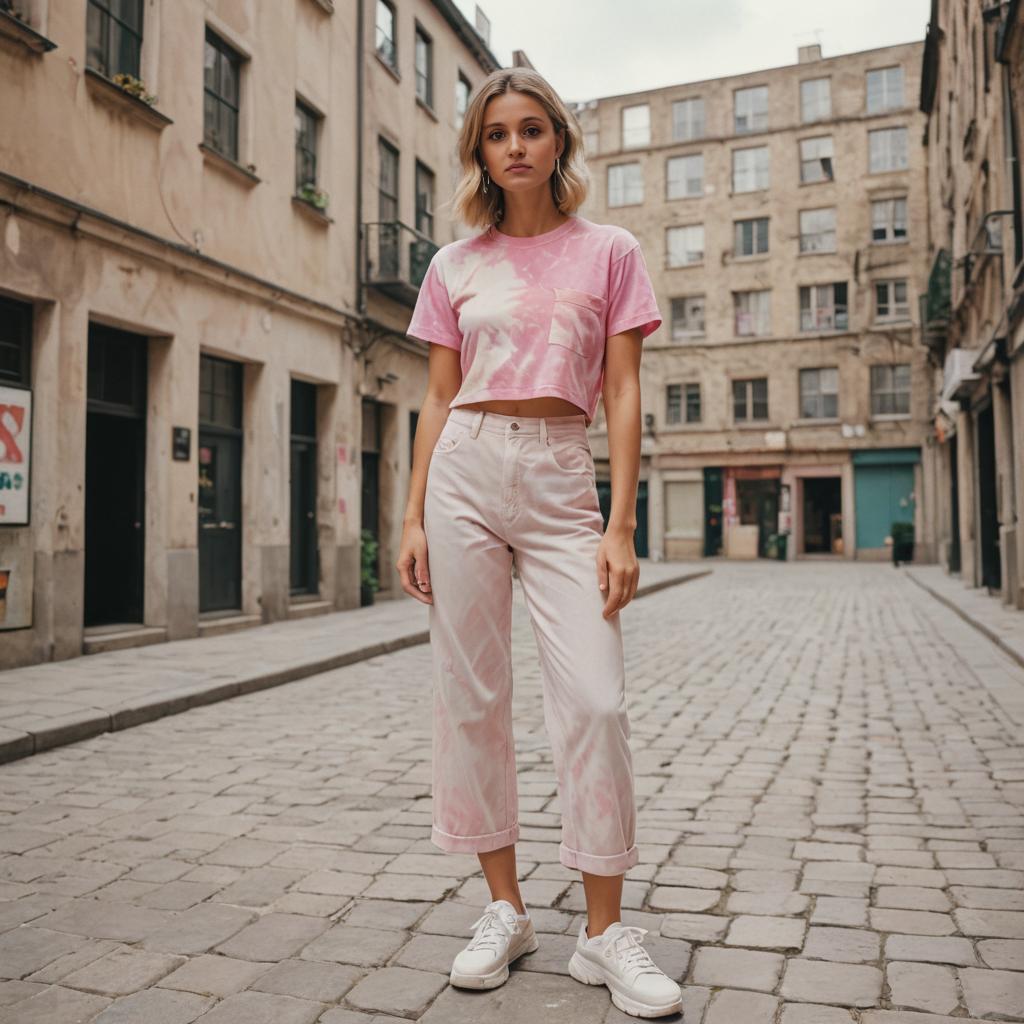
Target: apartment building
pixel 207 214
pixel 972 92
pixel 782 214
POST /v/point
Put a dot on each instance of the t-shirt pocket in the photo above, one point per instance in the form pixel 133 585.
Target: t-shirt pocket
pixel 576 320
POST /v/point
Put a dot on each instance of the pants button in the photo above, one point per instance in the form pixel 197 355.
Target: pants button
pixel 515 426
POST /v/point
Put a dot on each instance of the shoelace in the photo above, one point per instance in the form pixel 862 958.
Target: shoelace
pixel 626 944
pixel 496 927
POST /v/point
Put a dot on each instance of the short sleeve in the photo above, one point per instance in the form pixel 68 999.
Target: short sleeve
pixel 631 300
pixel 433 318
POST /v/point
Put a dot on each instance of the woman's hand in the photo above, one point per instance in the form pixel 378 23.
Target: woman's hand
pixel 618 572
pixel 412 563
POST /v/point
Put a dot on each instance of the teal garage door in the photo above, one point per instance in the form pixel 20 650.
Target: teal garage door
pixel 884 494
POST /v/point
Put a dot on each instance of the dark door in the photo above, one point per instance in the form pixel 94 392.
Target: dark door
pixel 954 507
pixel 822 513
pixel 640 534
pixel 758 502
pixel 220 485
pixel 304 564
pixel 988 534
pixel 370 510
pixel 115 472
pixel 712 511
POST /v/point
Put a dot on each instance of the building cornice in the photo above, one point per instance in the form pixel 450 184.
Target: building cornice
pixel 468 35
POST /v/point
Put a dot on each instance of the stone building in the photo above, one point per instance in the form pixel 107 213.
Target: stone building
pixel 782 214
pixel 211 219
pixel 972 91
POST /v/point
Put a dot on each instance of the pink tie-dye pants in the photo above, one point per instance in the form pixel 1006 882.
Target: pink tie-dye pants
pixel 502 487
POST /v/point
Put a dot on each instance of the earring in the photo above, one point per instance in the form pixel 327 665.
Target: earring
pixel 487 179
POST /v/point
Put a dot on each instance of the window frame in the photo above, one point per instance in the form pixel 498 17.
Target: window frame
pixel 627 142
pixel 827 115
pixel 16 319
pixel 392 40
pixel 687 102
pixel 101 9
pixel 890 132
pixel 679 333
pixel 900 312
pixel 885 104
pixel 827 171
pixel 625 188
pixel 755 223
pixel 753 172
pixel 753 115
pixel 749 400
pixel 425 213
pixel 759 317
pixel 314 121
pixel 840 311
pixel 802 236
pixel 889 389
pixel 227 55
pixel 891 221
pixel 423 43
pixel 697 227
pixel 686 179
pixel 819 394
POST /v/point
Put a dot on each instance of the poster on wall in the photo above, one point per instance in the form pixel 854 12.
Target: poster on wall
pixel 15 454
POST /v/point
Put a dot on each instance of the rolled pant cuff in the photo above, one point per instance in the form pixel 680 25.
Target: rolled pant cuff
pixel 618 864
pixel 474 844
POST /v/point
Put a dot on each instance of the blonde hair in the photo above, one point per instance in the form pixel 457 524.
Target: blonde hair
pixel 470 203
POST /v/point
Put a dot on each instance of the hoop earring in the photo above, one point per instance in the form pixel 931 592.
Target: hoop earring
pixel 487 179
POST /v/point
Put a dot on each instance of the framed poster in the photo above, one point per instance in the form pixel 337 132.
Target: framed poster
pixel 15 454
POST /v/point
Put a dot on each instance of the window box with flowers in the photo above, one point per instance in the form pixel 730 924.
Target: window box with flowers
pixel 18 24
pixel 312 200
pixel 125 92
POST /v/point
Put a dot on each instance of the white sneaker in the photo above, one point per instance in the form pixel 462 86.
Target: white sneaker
pixel 616 959
pixel 501 937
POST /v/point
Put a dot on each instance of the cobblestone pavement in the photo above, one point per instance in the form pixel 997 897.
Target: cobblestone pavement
pixel 830 777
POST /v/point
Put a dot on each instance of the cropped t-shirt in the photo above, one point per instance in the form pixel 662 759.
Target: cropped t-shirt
pixel 531 316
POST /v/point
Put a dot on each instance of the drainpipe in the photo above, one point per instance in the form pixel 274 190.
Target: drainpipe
pixel 360 76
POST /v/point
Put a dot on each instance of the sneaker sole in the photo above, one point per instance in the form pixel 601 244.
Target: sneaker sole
pixel 589 975
pixel 495 978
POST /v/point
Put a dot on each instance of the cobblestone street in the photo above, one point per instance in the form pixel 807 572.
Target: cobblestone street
pixel 830 781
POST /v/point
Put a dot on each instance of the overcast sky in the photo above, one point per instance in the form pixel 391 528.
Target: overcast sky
pixel 608 47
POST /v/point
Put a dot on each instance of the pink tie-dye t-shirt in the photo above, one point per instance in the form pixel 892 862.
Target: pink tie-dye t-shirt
pixel 531 316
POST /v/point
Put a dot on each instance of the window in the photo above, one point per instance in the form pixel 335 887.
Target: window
pixel 424 68
pixel 688 119
pixel 685 176
pixel 751 109
pixel 823 307
pixel 222 70
pixel 424 200
pixel 815 100
pixel 750 169
pixel 15 342
pixel 113 34
pixel 753 313
pixel 636 126
pixel 625 184
pixel 818 230
pixel 885 89
pixel 306 126
pixel 687 317
pixel 386 34
pixel 890 390
pixel 676 410
pixel 819 393
pixel 388 257
pixel 887 149
pixel 816 159
pixel 751 237
pixel 889 220
pixel 685 245
pixel 891 300
pixel 462 91
pixel 750 399
pixel 674 403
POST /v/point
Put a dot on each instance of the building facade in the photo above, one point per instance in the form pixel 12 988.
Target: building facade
pixel 972 92
pixel 203 401
pixel 781 214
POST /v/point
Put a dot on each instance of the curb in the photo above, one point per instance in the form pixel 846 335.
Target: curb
pixel 16 744
pixel 985 631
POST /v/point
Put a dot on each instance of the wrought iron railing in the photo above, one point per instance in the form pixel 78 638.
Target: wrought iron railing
pixel 395 255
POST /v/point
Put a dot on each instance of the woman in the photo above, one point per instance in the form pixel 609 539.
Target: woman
pixel 528 323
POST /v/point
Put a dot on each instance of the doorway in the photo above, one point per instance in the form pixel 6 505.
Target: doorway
pixel 822 515
pixel 304 555
pixel 954 507
pixel 988 518
pixel 115 476
pixel 712 511
pixel 757 503
pixel 220 485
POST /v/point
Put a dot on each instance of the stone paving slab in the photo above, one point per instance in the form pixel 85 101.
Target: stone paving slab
pixel 57 703
pixel 827 762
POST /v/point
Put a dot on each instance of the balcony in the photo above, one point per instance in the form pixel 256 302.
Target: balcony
pixel 936 302
pixel 395 258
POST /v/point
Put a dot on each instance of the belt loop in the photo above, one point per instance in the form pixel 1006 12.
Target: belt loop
pixel 543 430
pixel 477 420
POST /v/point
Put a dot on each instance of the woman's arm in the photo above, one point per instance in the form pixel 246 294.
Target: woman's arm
pixel 618 569
pixel 443 382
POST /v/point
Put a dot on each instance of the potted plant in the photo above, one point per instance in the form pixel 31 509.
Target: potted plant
pixel 314 196
pixel 134 87
pixel 902 542
pixel 368 582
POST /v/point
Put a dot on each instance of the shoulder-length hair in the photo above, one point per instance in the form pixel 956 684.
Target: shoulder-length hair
pixel 470 203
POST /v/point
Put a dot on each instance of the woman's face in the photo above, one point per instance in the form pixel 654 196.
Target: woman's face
pixel 518 131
